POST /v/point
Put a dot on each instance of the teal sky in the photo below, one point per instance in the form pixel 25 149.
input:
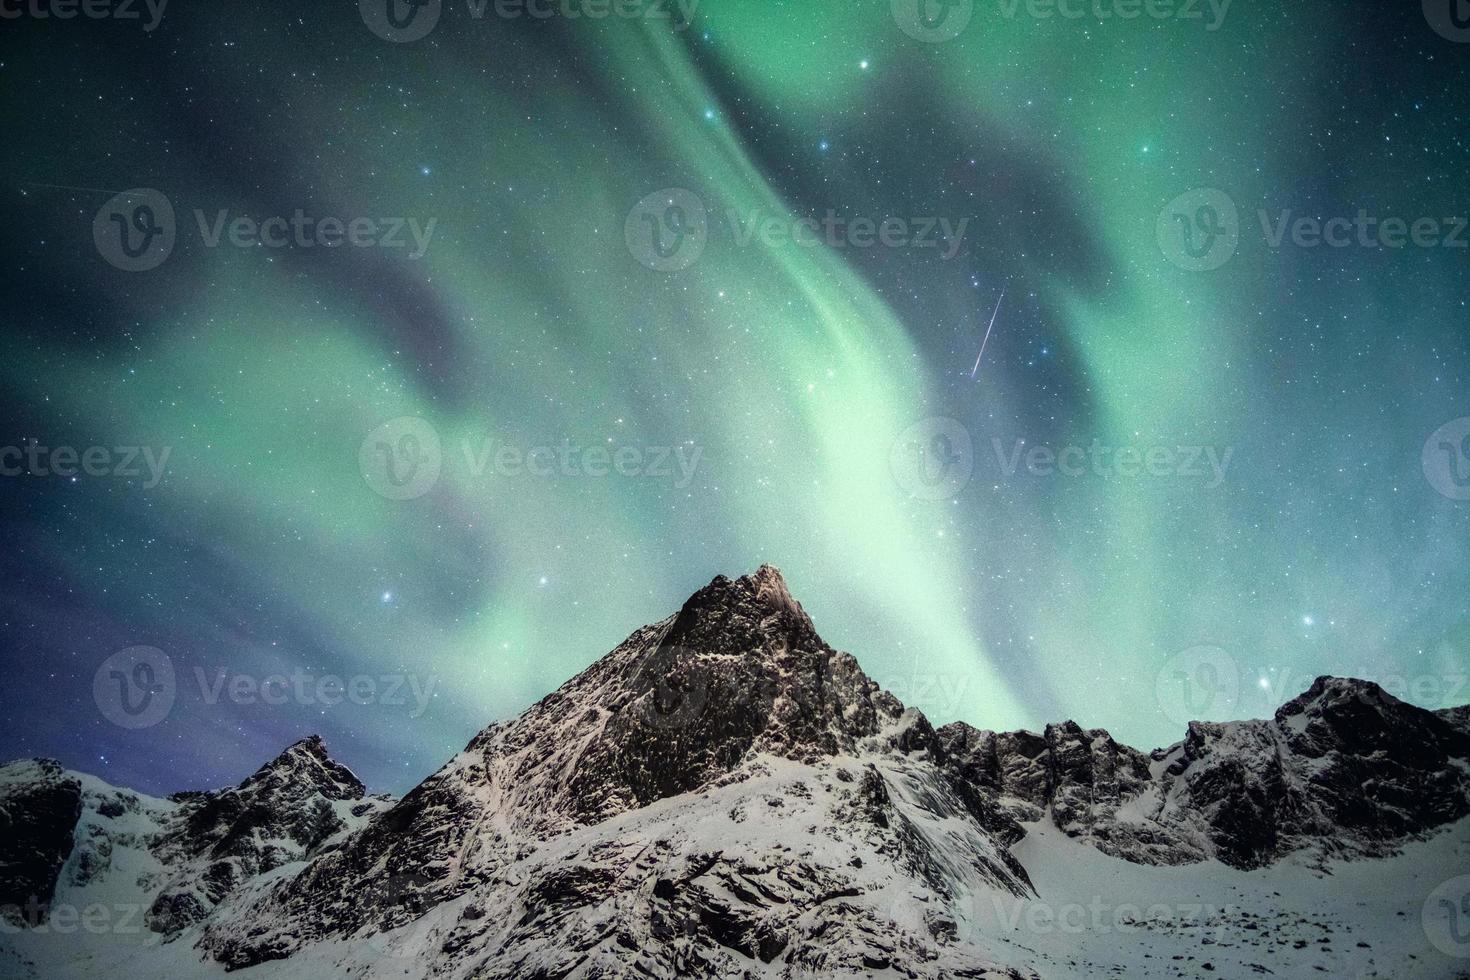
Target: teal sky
pixel 778 397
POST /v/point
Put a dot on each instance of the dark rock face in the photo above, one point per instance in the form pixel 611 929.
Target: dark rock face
pixel 1344 764
pixel 284 812
pixel 1344 768
pixel 39 809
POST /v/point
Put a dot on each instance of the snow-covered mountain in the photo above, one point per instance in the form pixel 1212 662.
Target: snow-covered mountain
pixel 725 795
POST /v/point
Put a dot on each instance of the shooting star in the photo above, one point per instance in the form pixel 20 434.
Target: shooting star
pixel 974 370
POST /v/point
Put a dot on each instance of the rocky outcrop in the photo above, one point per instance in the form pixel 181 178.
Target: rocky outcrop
pixel 39 808
pixel 1343 769
pixel 286 811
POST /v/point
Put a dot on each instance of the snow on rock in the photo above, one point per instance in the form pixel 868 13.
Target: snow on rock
pixel 1344 768
pixel 725 795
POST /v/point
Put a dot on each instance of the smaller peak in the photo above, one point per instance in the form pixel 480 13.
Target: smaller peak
pixel 1328 689
pixel 307 762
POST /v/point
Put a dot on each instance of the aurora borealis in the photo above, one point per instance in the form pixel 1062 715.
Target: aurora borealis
pixel 826 157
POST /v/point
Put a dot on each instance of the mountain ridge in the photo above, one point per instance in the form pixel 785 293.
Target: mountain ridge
pixel 724 793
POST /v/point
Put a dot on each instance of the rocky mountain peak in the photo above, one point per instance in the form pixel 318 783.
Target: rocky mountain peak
pixel 302 768
pixel 743 615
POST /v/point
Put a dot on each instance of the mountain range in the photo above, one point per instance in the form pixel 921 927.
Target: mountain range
pixel 726 795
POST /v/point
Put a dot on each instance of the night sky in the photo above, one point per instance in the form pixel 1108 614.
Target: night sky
pixel 681 302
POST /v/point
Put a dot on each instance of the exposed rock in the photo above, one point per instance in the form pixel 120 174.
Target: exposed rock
pixel 39 808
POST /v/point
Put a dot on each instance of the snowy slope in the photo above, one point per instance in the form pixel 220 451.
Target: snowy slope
pixel 726 795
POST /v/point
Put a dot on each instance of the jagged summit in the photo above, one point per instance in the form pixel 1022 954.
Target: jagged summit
pixel 304 765
pixel 743 615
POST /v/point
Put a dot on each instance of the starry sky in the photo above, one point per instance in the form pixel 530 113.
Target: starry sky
pixel 645 234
